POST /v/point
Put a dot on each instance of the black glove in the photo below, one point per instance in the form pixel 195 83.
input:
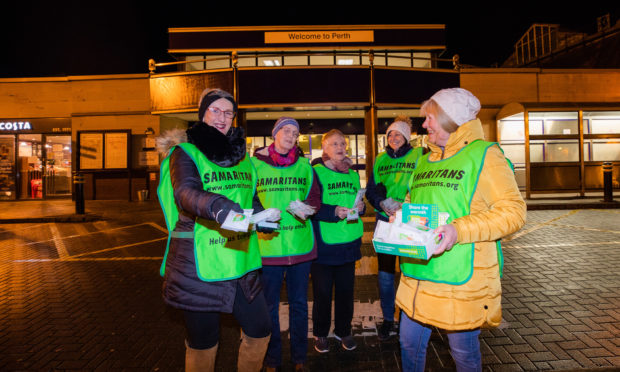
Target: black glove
pixel 221 207
pixel 264 229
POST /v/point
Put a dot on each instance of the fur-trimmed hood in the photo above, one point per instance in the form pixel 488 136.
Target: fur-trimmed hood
pixel 224 150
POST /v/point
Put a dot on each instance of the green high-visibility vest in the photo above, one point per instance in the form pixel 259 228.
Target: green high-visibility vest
pixel 450 183
pixel 395 174
pixel 339 189
pixel 276 188
pixel 219 254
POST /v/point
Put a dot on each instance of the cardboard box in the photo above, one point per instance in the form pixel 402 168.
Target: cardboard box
pixel 411 234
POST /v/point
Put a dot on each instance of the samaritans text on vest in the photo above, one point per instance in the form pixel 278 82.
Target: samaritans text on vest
pixel 341 188
pixel 398 167
pixel 226 176
pixel 446 174
pixel 440 173
pixel 266 181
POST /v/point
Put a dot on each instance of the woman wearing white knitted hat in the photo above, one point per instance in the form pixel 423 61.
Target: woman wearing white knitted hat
pixel 458 290
pixel 386 190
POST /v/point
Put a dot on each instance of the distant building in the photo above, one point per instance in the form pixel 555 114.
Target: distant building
pixel 551 46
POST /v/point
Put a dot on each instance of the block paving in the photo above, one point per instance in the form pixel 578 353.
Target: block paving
pixel 87 297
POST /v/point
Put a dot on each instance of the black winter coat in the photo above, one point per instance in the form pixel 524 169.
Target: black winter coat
pixel 182 288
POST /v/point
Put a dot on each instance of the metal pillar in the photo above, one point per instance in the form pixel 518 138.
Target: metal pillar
pixel 371 121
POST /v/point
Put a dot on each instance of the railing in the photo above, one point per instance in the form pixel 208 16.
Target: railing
pixel 234 58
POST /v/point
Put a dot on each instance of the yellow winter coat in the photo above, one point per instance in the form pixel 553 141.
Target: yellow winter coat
pixel 497 210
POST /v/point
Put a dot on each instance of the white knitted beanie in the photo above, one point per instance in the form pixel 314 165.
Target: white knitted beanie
pixel 402 128
pixel 458 103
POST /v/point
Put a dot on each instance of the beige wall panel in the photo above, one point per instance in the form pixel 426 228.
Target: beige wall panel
pixel 595 86
pixel 167 123
pixel 137 123
pixel 489 124
pixel 114 95
pixel 35 99
pixel 500 88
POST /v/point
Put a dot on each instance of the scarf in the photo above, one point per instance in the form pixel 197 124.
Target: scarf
pixel 224 150
pixel 282 160
pixel 342 166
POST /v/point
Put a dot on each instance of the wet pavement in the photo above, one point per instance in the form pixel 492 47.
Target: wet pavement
pixel 86 296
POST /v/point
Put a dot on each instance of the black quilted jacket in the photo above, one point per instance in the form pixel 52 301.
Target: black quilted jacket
pixel 182 288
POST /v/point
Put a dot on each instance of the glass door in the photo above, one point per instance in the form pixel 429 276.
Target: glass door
pixel 7 167
pixel 30 166
pixel 57 177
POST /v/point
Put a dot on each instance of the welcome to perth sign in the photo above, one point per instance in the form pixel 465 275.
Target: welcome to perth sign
pixel 319 37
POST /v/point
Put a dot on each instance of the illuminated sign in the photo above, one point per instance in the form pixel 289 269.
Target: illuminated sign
pixel 319 37
pixel 15 125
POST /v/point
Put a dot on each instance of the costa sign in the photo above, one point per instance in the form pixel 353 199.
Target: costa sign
pixel 15 125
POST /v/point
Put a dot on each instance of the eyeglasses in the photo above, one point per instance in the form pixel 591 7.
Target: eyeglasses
pixel 227 114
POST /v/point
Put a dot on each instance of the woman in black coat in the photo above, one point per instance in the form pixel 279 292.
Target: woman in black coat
pixel 209 270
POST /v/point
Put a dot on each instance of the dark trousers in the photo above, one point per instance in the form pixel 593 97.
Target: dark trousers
pixel 296 277
pixel 342 279
pixel 203 328
pixel 387 290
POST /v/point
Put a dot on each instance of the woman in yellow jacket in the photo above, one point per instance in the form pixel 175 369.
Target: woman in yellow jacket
pixel 458 289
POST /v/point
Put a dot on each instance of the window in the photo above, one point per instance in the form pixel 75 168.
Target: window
pixel 218 61
pixel 399 59
pixel 295 60
pixel 195 66
pixel 246 60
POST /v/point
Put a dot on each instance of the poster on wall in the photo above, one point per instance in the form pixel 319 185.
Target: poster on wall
pixel 115 150
pixel 91 150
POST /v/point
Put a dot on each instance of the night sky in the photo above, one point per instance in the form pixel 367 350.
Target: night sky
pixel 56 38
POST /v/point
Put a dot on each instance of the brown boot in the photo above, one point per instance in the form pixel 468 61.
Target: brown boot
pixel 251 353
pixel 200 360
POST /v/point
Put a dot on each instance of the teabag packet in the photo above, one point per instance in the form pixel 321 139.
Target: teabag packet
pixel 269 214
pixel 300 209
pixel 238 221
pixel 390 205
pixel 266 218
pixel 353 212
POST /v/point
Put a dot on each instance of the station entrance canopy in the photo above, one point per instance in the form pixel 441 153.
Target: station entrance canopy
pixel 300 66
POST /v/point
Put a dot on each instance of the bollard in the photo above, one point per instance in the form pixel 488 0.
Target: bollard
pixel 78 181
pixel 608 191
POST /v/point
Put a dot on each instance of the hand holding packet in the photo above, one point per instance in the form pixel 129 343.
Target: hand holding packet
pixel 390 206
pixel 269 214
pixel 300 209
pixel 265 221
pixel 353 212
pixel 238 221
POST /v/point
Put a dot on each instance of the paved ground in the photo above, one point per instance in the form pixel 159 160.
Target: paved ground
pixel 86 296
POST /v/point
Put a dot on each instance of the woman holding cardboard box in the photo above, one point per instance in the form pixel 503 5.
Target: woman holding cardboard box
pixel 458 290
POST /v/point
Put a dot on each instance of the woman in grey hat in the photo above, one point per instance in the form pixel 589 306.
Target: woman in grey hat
pixel 284 176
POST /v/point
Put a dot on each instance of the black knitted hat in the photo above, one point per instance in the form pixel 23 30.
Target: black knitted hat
pixel 211 95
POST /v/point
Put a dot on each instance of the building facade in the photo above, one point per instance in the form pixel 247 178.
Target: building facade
pixel 557 126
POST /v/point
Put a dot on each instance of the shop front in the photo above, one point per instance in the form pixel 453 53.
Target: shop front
pixel 561 148
pixel 35 158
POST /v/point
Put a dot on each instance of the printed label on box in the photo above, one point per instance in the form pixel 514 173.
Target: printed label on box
pixel 423 214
